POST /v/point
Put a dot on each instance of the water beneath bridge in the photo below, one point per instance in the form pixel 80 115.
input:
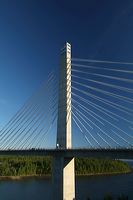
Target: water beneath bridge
pixel 94 187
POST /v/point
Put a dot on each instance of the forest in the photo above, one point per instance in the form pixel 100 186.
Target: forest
pixel 39 165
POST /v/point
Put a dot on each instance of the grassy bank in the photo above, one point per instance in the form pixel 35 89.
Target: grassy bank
pixel 25 166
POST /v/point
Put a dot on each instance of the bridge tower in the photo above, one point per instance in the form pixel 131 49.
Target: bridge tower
pixel 63 167
pixel 64 107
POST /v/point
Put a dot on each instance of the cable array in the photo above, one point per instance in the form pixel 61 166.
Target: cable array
pixel 102 102
pixel 101 107
pixel 29 127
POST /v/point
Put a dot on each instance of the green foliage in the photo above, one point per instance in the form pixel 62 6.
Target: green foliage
pixel 108 197
pixel 39 165
pixel 24 165
pixel 123 197
pixel 100 166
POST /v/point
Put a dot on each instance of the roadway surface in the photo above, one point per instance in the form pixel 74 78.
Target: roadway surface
pixel 96 153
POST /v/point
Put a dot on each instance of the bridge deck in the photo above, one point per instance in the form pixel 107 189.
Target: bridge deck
pixel 97 153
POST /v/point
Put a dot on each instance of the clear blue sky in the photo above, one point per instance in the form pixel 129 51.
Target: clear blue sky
pixel 33 31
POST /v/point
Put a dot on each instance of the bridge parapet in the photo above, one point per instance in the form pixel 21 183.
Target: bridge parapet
pixel 97 153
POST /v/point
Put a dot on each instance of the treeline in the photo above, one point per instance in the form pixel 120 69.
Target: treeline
pixel 33 165
pixel 110 197
pixel 25 165
pixel 97 166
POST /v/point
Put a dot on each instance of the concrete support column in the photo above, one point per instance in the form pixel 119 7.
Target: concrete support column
pixel 64 138
pixel 63 178
pixel 63 168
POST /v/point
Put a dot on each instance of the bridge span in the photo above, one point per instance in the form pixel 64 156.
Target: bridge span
pixel 68 153
pixel 94 97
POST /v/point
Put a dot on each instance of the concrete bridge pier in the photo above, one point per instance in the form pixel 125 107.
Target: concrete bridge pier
pixel 63 167
pixel 63 178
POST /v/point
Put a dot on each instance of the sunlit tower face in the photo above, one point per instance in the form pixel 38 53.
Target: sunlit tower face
pixel 64 139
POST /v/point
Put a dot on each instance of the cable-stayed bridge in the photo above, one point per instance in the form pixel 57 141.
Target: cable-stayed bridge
pixel 93 99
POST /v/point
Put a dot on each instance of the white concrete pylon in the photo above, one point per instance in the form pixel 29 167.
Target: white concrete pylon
pixel 64 137
pixel 63 174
